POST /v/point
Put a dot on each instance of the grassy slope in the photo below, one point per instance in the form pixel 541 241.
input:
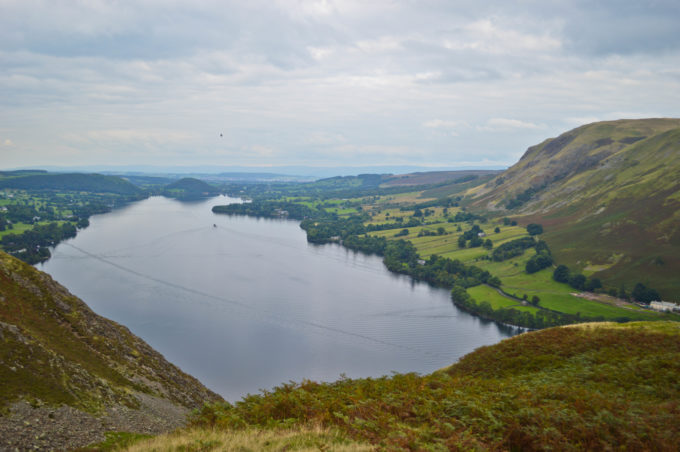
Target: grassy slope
pixel 553 295
pixel 55 349
pixel 586 387
pixel 299 440
pixel 610 204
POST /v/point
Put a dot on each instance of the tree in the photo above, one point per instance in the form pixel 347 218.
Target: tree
pixel 534 229
pixel 561 274
pixel 577 281
pixel 497 230
pixel 645 294
pixel 593 284
pixel 535 300
pixel 494 281
pixel 538 262
pixel 461 242
pixel 488 244
pixel 476 242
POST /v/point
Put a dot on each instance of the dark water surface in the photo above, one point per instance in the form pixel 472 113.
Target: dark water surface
pixel 249 304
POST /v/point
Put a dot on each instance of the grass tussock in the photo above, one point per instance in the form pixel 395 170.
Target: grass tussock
pixel 599 387
pixel 244 440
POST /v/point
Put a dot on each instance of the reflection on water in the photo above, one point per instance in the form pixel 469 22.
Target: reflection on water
pixel 246 303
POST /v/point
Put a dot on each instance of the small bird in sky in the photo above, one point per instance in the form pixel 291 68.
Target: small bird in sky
pixel 220 135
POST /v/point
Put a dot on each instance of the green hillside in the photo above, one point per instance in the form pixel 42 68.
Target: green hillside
pixel 608 195
pixel 586 387
pixel 189 187
pixel 54 351
pixel 94 183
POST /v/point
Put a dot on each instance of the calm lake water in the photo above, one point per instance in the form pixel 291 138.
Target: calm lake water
pixel 245 304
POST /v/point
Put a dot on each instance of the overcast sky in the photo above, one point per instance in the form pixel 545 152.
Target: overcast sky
pixel 323 83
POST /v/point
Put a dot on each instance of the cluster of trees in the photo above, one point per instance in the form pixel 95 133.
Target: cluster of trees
pixel 576 280
pixel 429 232
pixel 445 272
pixel 400 256
pixel 641 292
pixel 32 246
pixel 17 213
pixel 471 238
pixel 367 244
pixel 534 229
pixel 465 216
pixel 645 294
pixel 271 209
pixel 542 259
pixel 512 248
pixel 417 213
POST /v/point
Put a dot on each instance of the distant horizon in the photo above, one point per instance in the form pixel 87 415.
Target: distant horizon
pixel 283 170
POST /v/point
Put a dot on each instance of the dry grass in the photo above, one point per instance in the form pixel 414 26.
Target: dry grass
pixel 301 439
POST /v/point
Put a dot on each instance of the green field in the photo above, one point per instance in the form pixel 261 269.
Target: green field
pixel 17 228
pixel 496 300
pixel 516 281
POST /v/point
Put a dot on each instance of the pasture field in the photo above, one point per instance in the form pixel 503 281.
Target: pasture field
pixel 516 281
pixel 496 300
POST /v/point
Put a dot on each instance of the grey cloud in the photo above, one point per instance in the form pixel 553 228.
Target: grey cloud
pixel 283 80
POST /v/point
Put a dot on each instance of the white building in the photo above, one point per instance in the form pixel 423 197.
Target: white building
pixel 664 306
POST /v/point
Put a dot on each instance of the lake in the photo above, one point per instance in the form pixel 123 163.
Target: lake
pixel 245 304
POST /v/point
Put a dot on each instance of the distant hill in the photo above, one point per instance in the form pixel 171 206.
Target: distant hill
pixel 96 183
pixel 144 181
pixel 437 184
pixel 608 195
pixel 17 173
pixel 438 177
pixel 55 351
pixel 189 187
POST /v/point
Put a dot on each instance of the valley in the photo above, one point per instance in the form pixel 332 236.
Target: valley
pixel 405 273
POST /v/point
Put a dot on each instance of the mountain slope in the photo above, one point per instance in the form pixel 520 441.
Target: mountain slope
pixel 585 387
pixel 608 194
pixel 55 351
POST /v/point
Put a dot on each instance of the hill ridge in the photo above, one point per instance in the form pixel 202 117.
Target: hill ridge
pixel 609 193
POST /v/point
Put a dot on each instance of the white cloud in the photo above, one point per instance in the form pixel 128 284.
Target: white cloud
pixel 333 81
pixel 505 124
pixel 442 124
pixel 324 138
pixel 128 136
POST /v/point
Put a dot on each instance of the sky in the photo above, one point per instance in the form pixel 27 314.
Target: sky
pixel 323 83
